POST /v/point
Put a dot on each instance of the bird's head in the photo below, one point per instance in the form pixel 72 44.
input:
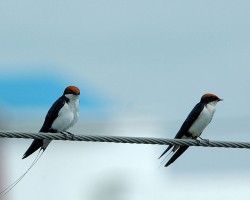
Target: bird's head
pixel 210 98
pixel 71 90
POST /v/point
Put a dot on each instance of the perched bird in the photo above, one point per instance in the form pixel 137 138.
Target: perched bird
pixel 193 126
pixel 61 116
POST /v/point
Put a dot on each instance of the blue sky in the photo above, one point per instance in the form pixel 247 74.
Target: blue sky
pixel 36 90
pixel 140 53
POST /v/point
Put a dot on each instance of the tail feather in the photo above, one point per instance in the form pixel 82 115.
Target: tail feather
pixel 36 144
pixel 180 151
pixel 12 185
pixel 170 146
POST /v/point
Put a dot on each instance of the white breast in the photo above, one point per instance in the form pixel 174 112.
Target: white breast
pixel 67 116
pixel 202 121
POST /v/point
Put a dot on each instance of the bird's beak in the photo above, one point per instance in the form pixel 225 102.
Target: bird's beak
pixel 220 99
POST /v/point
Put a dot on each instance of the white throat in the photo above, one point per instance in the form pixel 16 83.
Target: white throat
pixel 211 106
pixel 72 97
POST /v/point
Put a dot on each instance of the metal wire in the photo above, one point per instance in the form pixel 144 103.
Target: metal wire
pixel 120 139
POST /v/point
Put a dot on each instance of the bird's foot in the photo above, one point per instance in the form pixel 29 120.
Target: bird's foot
pixel 64 134
pixel 71 134
pixel 207 140
pixel 198 141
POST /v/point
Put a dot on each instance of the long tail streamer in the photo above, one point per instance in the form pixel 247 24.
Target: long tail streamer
pixel 12 185
pixel 163 161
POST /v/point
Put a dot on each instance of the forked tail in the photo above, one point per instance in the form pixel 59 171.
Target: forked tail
pixel 169 147
pixel 176 155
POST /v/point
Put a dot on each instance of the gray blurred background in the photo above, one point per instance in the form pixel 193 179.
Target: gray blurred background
pixel 141 67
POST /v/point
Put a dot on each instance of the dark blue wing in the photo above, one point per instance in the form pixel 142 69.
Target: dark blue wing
pixel 53 113
pixel 194 114
pixel 49 119
pixel 36 144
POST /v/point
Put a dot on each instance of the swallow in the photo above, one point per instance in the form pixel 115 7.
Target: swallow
pixel 194 125
pixel 61 116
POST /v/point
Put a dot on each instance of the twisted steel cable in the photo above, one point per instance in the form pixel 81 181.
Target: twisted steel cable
pixel 122 139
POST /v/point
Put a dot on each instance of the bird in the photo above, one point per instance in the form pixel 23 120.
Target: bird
pixel 194 125
pixel 62 115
